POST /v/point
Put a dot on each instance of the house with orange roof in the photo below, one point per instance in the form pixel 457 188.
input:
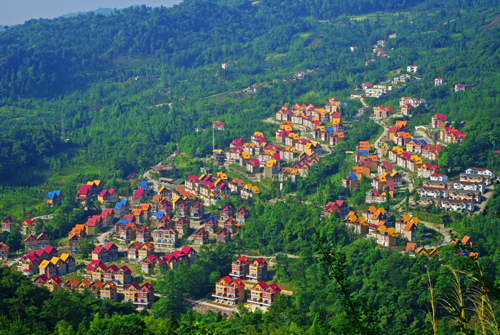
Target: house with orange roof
pixel 128 232
pixel 109 291
pixel 145 250
pixel 71 285
pixel 133 250
pixel 384 236
pixel 229 291
pixel 84 285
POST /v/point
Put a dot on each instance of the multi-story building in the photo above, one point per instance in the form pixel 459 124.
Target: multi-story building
pixel 263 295
pixel 141 296
pixel 197 211
pixel 143 234
pixel 229 291
pixel 240 267
pixel 223 236
pixel 165 237
pixel 4 251
pixel 183 225
pixel 257 270
pixel 201 236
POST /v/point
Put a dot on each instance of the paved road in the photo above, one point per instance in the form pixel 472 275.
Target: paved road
pixel 43 217
pixel 441 229
pixel 376 144
pixel 490 191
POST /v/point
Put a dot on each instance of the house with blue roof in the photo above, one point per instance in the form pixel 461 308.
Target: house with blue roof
pixel 364 152
pixel 122 207
pixel 144 185
pixel 54 198
pixel 158 215
pixel 350 181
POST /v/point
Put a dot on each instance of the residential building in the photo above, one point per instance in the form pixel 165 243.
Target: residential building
pixel 263 295
pixel 223 236
pixel 413 68
pixel 197 211
pixel 53 283
pixel 183 225
pixel 438 121
pixel 143 234
pixel 201 236
pixel 229 291
pixel 438 81
pixel 212 225
pixel 109 291
pixel 145 250
pixel 133 250
pixel 108 196
pixel 166 237
pixel 4 251
pixel 240 267
pixel 141 296
pixel 54 198
pixel 28 227
pixel 257 270
pixel 242 215
pixel 7 223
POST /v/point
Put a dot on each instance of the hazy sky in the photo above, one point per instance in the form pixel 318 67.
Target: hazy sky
pixel 18 11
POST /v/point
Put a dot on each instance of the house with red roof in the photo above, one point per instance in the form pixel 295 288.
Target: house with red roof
pixel 438 121
pixel 366 85
pixel 257 270
pixel 143 234
pixel 438 81
pixel 382 112
pixel 229 291
pixel 263 295
pixel 149 264
pixel 53 283
pixel 451 135
pixel 197 211
pixel 223 236
pixel 28 227
pixel 242 215
pixel 112 250
pixel 4 251
pixel 459 87
pixel 201 236
pixel 108 196
pixel 240 267
pixel 183 225
pixel 253 165
pixel 141 296
pixel 138 196
pixel 107 217
pixel 100 254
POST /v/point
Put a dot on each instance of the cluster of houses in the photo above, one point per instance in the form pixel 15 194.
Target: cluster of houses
pixel 462 194
pixel 377 223
pixel 104 285
pixel 46 261
pixel 230 290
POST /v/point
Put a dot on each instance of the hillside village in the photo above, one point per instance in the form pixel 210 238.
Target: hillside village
pixel 160 228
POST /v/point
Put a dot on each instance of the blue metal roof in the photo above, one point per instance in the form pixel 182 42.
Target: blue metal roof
pixel 364 152
pixel 330 130
pixel 424 142
pixel 123 221
pixel 143 184
pixel 52 194
pixel 159 215
pixel 352 176
pixel 414 140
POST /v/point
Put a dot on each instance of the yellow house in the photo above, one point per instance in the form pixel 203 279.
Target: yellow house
pixel 53 283
pixel 109 291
